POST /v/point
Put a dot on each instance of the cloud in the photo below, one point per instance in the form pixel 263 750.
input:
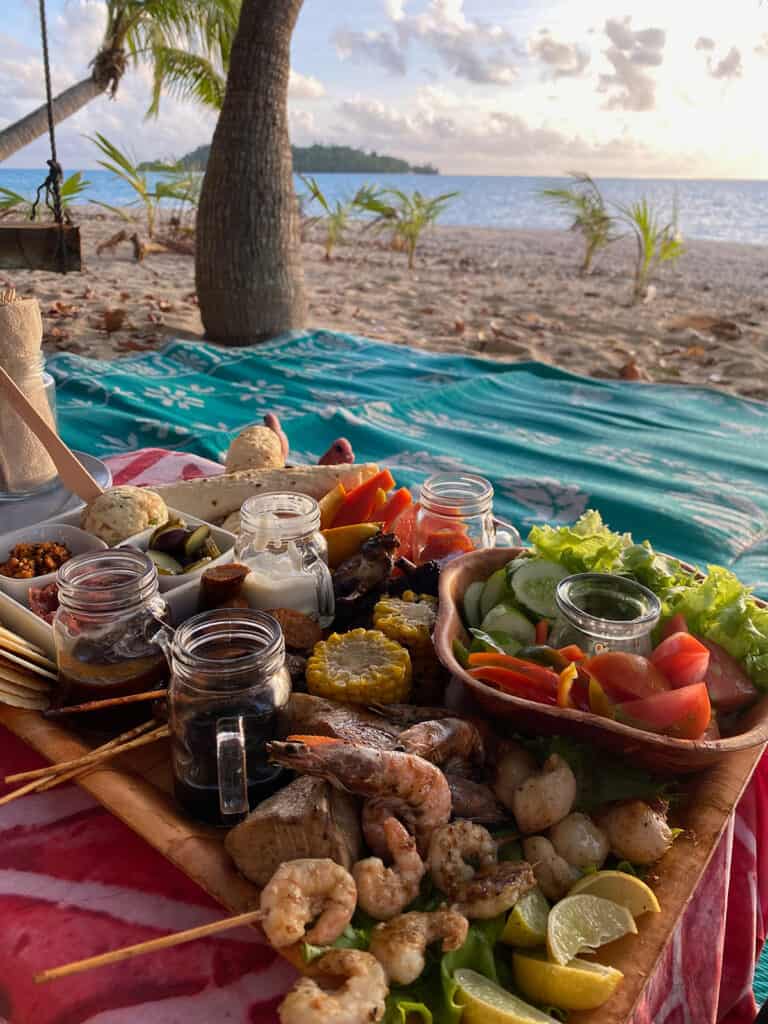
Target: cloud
pixel 629 87
pixel 442 128
pixel 382 48
pixel 704 43
pixel 304 87
pixel 729 66
pixel 564 59
pixel 474 50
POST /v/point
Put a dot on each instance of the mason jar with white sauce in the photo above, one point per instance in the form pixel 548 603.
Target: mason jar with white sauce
pixel 281 544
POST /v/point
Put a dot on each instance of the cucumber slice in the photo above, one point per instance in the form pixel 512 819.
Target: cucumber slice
pixel 534 586
pixel 472 595
pixel 506 619
pixel 494 592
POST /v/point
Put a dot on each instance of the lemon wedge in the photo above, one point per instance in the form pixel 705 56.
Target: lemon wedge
pixel 621 888
pixel 485 1002
pixel 578 924
pixel 577 985
pixel 527 921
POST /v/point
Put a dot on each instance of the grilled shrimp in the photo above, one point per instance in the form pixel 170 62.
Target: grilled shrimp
pixel 298 892
pixel 456 851
pixel 579 841
pixel 385 892
pixel 636 831
pixel 397 785
pixel 475 801
pixel 554 875
pixel 494 889
pixel 359 999
pixel 545 798
pixel 514 765
pixel 449 741
pixel 400 944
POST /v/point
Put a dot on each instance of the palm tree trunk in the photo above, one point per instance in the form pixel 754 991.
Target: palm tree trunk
pixel 248 271
pixel 18 135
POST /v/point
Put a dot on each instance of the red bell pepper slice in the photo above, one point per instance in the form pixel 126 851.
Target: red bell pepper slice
pixel 402 526
pixel 358 503
pixel 528 669
pixel 572 652
pixel 516 684
pixel 542 631
pixel 396 503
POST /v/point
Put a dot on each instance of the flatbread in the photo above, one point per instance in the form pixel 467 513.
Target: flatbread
pixel 10 649
pixel 23 699
pixel 17 644
pixel 11 660
pixel 213 498
pixel 10 674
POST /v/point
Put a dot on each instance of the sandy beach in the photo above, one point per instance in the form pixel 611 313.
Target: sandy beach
pixel 511 295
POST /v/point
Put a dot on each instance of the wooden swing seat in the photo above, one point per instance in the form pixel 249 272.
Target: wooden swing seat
pixel 36 247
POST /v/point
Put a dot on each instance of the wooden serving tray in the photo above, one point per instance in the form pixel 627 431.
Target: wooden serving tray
pixel 136 788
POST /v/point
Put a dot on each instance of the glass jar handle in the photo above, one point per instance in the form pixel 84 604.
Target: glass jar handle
pixel 230 756
pixel 513 540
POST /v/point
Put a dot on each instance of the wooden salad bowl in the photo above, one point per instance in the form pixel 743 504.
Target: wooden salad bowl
pixel 658 753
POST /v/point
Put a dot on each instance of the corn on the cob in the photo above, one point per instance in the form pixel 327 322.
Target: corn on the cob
pixel 408 620
pixel 362 666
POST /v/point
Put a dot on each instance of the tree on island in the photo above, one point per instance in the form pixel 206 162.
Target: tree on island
pixel 248 270
pixel 185 42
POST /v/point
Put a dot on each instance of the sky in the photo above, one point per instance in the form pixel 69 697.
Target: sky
pixel 662 88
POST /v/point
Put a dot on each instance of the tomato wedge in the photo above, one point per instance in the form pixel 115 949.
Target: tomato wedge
pixel 682 659
pixel 683 713
pixel 676 624
pixel 402 526
pixel 539 674
pixel 729 686
pixel 572 652
pixel 625 676
pixel 516 683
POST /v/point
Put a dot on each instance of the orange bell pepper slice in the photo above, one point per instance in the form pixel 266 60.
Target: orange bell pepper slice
pixel 398 501
pixel 358 503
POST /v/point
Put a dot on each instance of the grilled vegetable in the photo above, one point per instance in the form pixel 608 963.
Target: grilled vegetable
pixel 362 666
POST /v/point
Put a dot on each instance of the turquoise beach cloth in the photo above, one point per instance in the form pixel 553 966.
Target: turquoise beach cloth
pixel 683 467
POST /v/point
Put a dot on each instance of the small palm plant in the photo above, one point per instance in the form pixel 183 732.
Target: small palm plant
pixel 120 164
pixel 656 242
pixel 406 215
pixel 14 202
pixel 336 217
pixel 585 203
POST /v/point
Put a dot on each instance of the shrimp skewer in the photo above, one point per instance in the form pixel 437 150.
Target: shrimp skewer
pixel 397 785
pixel 385 892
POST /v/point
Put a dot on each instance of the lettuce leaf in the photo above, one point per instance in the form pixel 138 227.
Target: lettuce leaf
pixel 587 546
pixel 722 609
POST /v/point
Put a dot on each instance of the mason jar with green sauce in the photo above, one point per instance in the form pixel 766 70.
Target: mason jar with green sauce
pixel 601 611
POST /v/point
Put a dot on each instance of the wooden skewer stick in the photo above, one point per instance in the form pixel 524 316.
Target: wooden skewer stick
pixel 74 773
pixel 111 702
pixel 174 939
pixel 124 737
pixel 94 760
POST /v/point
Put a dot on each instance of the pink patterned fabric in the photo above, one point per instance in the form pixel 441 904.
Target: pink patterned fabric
pixel 74 882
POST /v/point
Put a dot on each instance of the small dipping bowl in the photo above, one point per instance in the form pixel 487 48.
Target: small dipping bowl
pixel 601 611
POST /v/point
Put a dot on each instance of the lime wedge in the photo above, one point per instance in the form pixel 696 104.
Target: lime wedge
pixel 578 985
pixel 527 921
pixel 485 1002
pixel 626 890
pixel 579 924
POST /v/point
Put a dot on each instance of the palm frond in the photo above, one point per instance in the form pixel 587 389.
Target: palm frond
pixel 187 76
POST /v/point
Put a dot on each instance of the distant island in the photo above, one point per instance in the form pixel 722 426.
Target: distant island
pixel 315 159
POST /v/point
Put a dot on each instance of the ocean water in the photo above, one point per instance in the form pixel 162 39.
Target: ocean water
pixel 735 211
